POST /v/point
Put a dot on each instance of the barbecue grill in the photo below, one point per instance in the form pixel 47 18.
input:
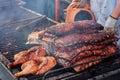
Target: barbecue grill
pixel 13 36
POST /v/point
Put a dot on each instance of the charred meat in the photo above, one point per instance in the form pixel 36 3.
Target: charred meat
pixel 70 44
pixel 37 66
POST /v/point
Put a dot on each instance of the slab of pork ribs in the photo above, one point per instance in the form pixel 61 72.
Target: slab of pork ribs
pixel 78 42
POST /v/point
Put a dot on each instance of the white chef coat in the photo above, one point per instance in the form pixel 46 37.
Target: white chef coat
pixel 102 9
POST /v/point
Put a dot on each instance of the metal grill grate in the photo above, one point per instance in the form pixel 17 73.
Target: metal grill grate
pixel 12 41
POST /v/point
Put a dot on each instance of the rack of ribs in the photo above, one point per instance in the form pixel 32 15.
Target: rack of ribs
pixel 67 44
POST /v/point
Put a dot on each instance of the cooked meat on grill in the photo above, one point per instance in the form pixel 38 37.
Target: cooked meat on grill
pixel 25 55
pixel 63 29
pixel 70 44
pixel 83 38
pixel 19 58
pixel 49 64
pixel 76 49
pixel 87 60
pixel 68 60
pixel 29 67
pixel 33 61
pixel 34 37
pixel 78 26
pixel 33 53
pixel 37 66
pixel 85 51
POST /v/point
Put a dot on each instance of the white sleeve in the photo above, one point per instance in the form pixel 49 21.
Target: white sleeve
pixel 96 6
pixel 102 9
pixel 106 10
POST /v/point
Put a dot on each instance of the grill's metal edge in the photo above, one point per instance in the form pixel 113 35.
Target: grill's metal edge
pixel 4 61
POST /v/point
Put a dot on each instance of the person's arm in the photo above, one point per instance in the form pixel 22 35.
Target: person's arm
pixel 116 11
pixel 112 19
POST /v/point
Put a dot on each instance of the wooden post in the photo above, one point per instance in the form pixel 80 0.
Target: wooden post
pixel 57 10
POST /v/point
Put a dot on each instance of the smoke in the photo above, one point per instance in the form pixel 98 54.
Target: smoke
pixel 44 7
pixel 8 11
pixel 21 2
pixel 10 15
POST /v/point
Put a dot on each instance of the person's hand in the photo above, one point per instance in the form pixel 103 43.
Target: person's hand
pixel 110 24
